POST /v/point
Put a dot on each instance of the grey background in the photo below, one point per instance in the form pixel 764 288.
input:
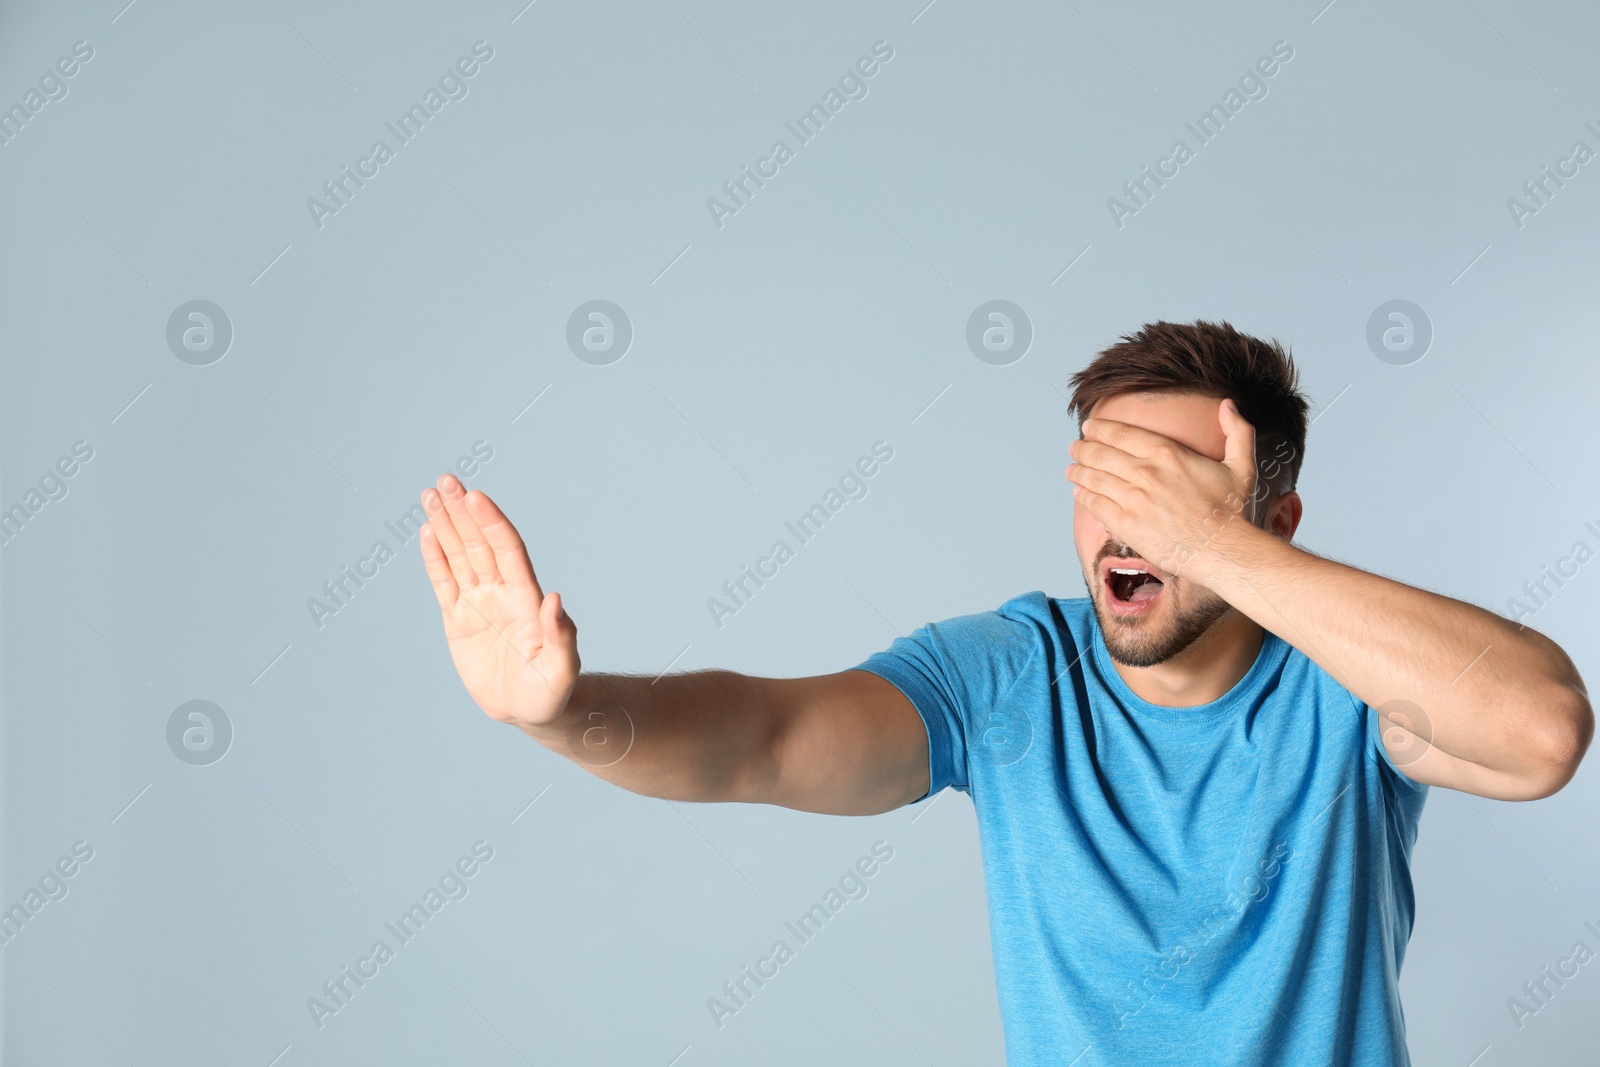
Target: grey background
pixel 768 355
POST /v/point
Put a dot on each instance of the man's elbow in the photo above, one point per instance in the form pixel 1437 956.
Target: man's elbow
pixel 1564 736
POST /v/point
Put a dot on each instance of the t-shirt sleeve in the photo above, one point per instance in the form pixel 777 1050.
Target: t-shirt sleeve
pixel 1394 772
pixel 954 672
pixel 1404 796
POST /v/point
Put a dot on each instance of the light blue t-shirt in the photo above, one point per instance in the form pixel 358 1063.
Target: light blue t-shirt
pixel 1222 884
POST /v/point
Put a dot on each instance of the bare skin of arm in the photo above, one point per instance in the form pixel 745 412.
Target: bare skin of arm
pixel 848 743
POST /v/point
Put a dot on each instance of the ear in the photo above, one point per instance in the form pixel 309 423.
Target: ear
pixel 1283 515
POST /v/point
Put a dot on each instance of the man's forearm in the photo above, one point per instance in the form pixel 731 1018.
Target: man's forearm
pixel 697 736
pixel 1495 694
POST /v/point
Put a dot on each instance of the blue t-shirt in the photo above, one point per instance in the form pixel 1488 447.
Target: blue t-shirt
pixel 1223 884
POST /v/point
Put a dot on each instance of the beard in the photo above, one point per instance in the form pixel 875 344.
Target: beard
pixel 1186 612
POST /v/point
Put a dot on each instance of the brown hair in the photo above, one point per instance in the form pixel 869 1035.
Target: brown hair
pixel 1209 359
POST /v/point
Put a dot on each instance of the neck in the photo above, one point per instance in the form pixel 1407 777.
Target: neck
pixel 1204 671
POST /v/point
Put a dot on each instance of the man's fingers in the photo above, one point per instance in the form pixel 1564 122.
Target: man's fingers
pixel 510 554
pixel 444 583
pixel 1101 482
pixel 1101 507
pixel 478 550
pixel 1134 440
pixel 455 553
pixel 1103 457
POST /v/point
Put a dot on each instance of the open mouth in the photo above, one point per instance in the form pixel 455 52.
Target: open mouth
pixel 1130 587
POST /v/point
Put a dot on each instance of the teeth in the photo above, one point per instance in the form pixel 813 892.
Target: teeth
pixel 1123 570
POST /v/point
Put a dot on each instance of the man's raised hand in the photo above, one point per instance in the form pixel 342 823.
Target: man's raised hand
pixel 1171 504
pixel 514 646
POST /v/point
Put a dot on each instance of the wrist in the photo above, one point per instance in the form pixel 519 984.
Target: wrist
pixel 1224 561
pixel 593 727
pixel 553 731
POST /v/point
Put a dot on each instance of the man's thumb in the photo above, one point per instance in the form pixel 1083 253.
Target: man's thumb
pixel 1239 453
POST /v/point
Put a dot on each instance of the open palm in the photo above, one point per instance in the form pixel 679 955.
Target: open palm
pixel 514 647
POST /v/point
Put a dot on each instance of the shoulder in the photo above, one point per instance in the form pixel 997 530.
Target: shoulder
pixel 1304 677
pixel 1043 617
pixel 1003 639
pixel 1364 723
pixel 1012 635
pixel 1022 621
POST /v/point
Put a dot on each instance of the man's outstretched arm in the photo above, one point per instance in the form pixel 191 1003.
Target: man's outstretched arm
pixel 848 743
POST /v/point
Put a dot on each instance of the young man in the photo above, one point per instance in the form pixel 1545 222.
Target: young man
pixel 1197 789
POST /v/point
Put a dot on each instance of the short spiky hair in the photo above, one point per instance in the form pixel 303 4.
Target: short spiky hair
pixel 1209 359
